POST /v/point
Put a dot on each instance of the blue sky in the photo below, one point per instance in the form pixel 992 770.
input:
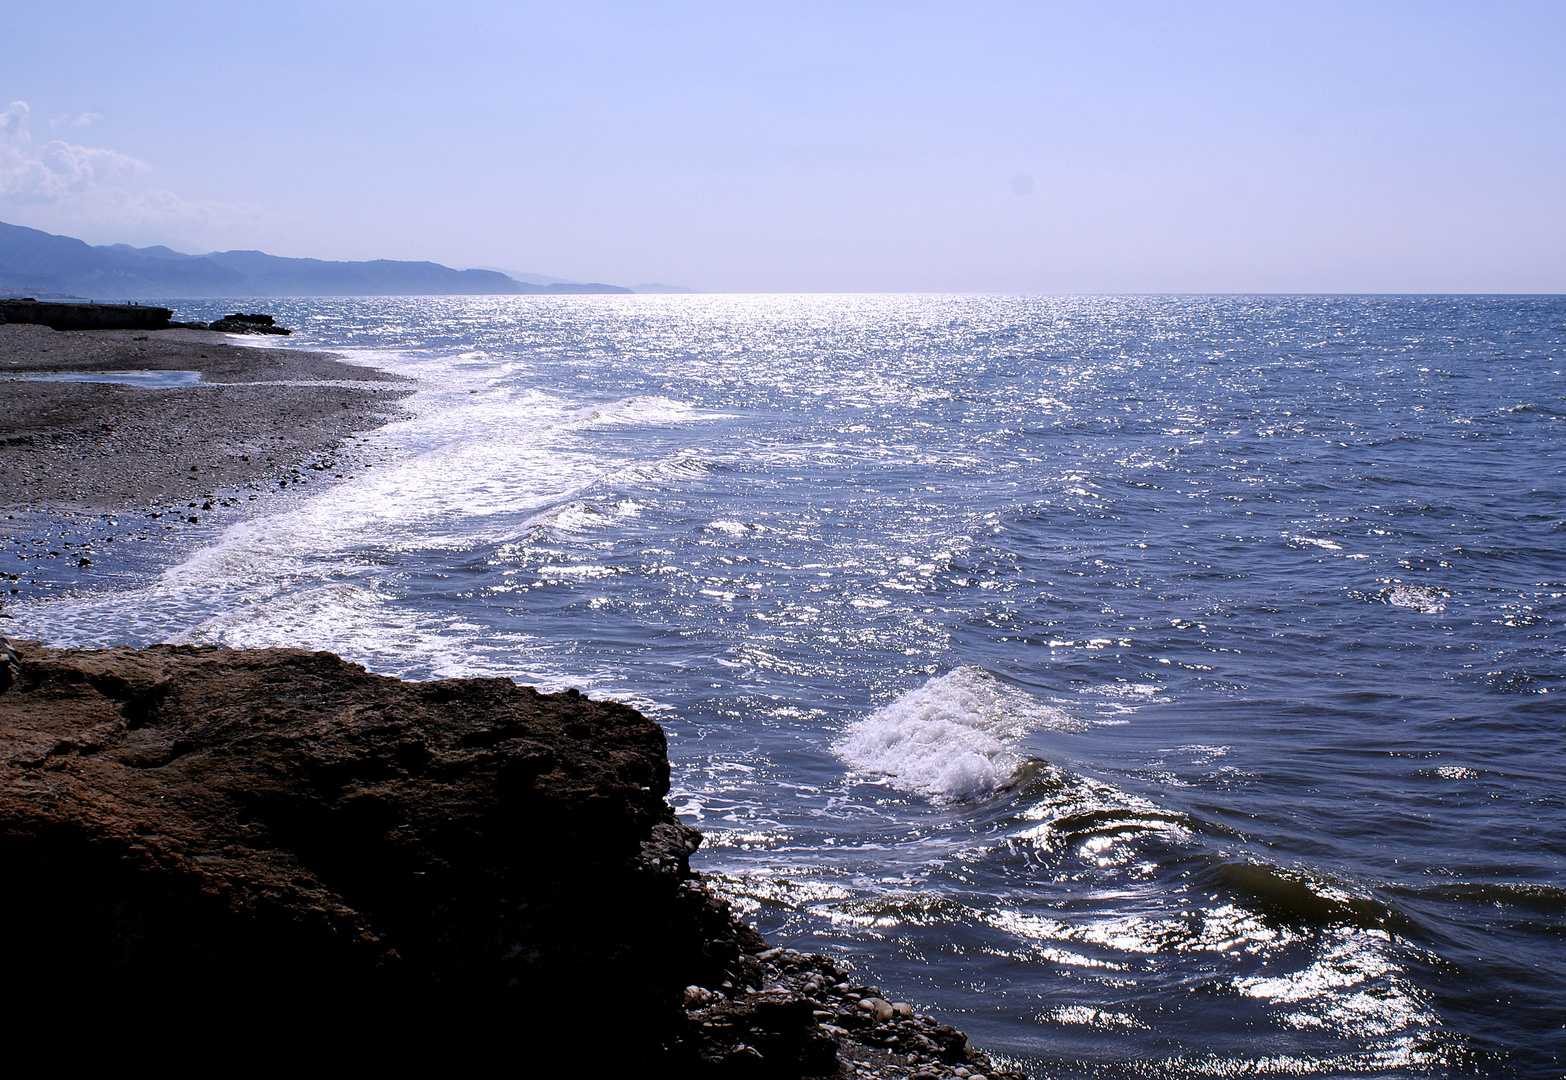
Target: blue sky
pixel 1013 147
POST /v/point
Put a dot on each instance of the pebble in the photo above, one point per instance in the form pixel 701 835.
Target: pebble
pixel 881 1010
pixel 696 997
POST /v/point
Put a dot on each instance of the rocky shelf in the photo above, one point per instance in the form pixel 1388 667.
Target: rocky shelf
pixel 85 315
pixel 239 861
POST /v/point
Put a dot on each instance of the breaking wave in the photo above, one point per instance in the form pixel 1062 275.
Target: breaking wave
pixel 952 738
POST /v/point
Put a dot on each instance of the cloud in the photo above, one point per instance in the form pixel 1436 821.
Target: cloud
pixel 84 120
pixel 13 123
pixel 61 183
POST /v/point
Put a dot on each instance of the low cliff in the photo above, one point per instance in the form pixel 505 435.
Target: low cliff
pixel 250 859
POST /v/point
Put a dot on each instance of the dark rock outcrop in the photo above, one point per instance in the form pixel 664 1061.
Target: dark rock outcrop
pixel 239 323
pixel 85 316
pixel 239 861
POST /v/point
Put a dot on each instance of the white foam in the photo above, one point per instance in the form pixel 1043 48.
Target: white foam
pixel 952 738
pixel 637 411
pixel 1426 600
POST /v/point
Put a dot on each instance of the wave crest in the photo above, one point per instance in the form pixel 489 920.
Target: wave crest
pixel 952 738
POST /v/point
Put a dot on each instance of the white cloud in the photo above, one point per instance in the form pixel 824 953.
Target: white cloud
pixel 62 185
pixel 84 120
pixel 13 123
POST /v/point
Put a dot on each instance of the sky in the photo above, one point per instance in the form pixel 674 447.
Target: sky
pixel 1031 147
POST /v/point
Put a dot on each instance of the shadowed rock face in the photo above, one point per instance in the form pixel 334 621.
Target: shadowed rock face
pixel 240 323
pixel 271 848
pixel 271 862
pixel 85 316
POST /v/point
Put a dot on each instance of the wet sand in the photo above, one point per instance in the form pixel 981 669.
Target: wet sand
pixel 258 419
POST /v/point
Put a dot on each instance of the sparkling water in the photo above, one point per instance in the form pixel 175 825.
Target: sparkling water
pixel 1148 686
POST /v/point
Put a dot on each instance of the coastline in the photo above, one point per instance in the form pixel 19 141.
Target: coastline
pixel 87 464
pixel 256 413
pixel 92 453
pixel 296 856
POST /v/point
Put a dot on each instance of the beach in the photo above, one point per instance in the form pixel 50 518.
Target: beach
pixel 194 434
pixel 256 416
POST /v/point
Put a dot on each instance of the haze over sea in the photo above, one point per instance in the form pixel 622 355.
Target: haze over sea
pixel 1150 686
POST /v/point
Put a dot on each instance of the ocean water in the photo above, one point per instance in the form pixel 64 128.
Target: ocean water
pixel 1147 686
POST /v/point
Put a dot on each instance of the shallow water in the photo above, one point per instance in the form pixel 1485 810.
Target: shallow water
pixel 152 380
pixel 1149 686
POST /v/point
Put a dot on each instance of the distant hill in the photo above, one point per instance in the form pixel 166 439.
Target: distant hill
pixel 34 263
pixel 567 285
pixel 529 278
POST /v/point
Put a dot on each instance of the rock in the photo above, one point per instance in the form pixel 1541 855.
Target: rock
pixel 256 859
pixel 276 849
pixel 881 1010
pixel 239 323
pixel 696 997
pixel 85 316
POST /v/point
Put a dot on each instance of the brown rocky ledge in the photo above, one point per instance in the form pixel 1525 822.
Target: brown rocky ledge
pixel 243 862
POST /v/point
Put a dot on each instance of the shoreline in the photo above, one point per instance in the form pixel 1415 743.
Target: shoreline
pixel 445 870
pixel 78 457
pixel 103 446
pixel 86 465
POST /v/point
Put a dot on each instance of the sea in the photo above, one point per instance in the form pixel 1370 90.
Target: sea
pixel 1148 686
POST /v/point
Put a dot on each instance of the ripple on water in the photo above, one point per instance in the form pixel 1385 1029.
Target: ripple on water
pixel 1255 554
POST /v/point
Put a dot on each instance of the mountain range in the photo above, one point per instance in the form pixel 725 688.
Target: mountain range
pixel 36 263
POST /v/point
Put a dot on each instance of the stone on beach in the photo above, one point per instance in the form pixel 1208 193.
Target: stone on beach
pixel 240 323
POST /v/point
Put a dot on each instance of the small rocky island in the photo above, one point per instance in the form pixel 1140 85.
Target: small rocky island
pixel 224 861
